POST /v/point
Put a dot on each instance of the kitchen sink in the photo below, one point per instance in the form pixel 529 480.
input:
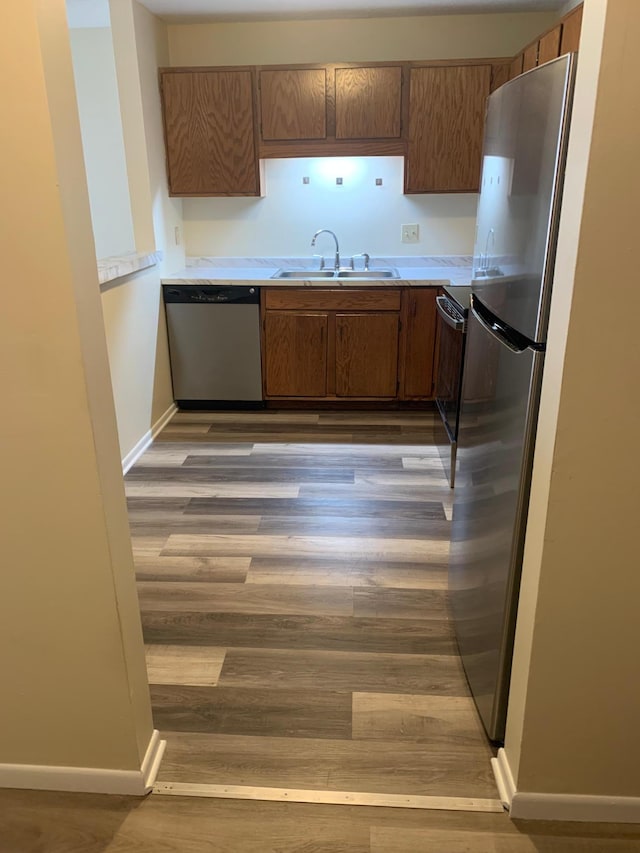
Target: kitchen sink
pixel 304 274
pixel 368 274
pixel 312 274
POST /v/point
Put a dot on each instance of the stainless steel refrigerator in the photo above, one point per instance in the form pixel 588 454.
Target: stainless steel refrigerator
pixel 518 210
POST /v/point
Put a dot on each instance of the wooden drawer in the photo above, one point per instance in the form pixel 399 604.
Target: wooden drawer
pixel 332 300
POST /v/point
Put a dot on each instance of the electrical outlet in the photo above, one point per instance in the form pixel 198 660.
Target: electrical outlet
pixel 411 233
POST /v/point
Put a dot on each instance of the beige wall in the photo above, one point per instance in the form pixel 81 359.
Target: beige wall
pixel 355 39
pixel 575 696
pixel 367 218
pixel 74 688
pixel 133 312
pixel 138 356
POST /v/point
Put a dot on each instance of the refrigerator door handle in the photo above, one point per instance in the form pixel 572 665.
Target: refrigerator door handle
pixel 502 332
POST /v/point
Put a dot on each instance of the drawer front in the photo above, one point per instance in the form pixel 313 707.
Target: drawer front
pixel 332 300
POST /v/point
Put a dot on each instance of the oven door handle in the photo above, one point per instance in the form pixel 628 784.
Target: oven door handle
pixel 458 325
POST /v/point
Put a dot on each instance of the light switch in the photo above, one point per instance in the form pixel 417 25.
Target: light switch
pixel 411 233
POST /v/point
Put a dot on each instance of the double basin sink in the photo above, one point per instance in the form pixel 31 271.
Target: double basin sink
pixel 336 274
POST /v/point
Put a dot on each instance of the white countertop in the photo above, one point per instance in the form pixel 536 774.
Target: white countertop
pixel 118 266
pixel 260 272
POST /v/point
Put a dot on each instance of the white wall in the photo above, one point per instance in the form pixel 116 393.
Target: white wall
pixel 366 217
pixel 102 143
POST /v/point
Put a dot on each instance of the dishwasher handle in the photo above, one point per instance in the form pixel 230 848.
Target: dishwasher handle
pixel 211 294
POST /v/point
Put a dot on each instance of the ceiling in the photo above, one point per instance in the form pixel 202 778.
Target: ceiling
pixel 192 11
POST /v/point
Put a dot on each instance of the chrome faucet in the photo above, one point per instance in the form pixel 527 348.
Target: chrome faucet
pixel 365 257
pixel 326 231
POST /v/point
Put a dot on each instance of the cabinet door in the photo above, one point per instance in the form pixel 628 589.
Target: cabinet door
pixel 500 74
pixel 516 66
pixel 209 133
pixel 368 103
pixel 293 104
pixel 530 57
pixel 571 27
pixel 420 342
pixel 295 354
pixel 367 355
pixel 446 122
pixel 549 46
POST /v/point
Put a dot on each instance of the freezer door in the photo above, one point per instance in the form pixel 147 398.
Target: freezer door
pixel 518 209
pixel 497 425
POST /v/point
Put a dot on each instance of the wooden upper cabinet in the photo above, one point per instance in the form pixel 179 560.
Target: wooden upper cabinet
pixel 549 45
pixel 530 57
pixel 446 123
pixel 571 27
pixel 210 132
pixel 516 66
pixel 368 103
pixel 565 38
pixel 293 103
pixel 500 73
pixel 367 355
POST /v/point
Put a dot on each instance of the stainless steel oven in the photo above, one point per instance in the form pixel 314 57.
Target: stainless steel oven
pixel 452 308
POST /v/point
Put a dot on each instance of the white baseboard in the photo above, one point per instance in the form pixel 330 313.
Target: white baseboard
pixel 133 455
pixel 91 780
pixel 151 760
pixel 504 778
pixel 530 805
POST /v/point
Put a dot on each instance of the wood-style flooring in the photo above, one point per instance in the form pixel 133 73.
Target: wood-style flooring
pixel 292 581
pixel 43 822
pixel 297 635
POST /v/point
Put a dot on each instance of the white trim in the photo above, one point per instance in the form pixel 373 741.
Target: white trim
pixel 133 455
pixel 504 778
pixel 91 780
pixel 529 805
pixel 578 807
pixel 151 760
pixel 348 798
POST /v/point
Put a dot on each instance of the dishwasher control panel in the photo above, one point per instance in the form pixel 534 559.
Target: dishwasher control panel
pixel 212 294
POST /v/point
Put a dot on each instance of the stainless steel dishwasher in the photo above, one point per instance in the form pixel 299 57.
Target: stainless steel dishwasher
pixel 214 345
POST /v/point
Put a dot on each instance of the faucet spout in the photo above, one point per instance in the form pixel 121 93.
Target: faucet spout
pixel 326 231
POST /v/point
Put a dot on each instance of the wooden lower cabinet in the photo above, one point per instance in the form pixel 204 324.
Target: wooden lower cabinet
pixel 295 354
pixel 367 355
pixel 376 344
pixel 419 315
